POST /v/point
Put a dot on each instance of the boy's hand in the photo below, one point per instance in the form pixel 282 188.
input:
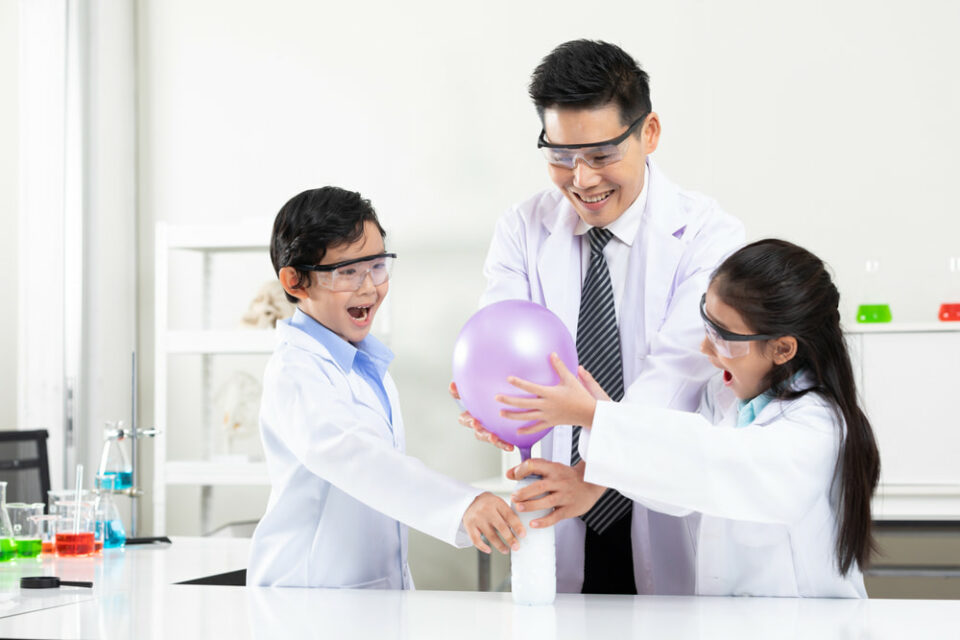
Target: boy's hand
pixel 479 432
pixel 571 401
pixel 493 518
pixel 566 492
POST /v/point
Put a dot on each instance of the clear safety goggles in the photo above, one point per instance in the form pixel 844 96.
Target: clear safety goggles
pixel 727 343
pixel 350 274
pixel 594 154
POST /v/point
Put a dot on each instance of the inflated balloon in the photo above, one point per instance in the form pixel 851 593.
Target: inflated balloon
pixel 508 338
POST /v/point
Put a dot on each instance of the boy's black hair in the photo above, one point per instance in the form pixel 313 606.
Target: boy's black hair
pixel 781 289
pixel 313 221
pixel 585 74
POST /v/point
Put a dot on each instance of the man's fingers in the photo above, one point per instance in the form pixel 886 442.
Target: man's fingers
pixel 477 540
pixel 525 415
pixel 534 489
pixel 493 538
pixel 526 385
pixel 533 428
pixel 548 501
pixel 513 521
pixel 507 534
pixel 592 385
pixel 561 368
pixel 521 402
pixel 453 391
pixel 551 518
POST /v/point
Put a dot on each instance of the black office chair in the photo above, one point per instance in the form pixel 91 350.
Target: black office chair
pixel 24 465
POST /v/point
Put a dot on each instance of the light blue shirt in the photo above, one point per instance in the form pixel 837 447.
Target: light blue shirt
pixel 748 410
pixel 370 357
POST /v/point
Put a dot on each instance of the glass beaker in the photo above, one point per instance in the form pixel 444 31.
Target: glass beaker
pixel 8 545
pixel 110 532
pixel 24 528
pixel 56 497
pixel 46 528
pixel 114 461
pixel 872 309
pixel 75 533
pixel 950 311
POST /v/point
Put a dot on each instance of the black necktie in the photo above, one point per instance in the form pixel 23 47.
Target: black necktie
pixel 608 553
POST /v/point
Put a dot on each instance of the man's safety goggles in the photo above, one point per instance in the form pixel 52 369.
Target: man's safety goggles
pixel 727 343
pixel 350 274
pixel 594 154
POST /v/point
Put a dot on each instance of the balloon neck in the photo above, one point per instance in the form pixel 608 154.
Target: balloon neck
pixel 525 453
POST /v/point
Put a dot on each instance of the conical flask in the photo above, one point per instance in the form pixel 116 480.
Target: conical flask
pixel 114 461
pixel 8 546
pixel 109 526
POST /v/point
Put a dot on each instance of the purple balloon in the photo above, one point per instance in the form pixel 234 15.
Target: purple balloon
pixel 508 338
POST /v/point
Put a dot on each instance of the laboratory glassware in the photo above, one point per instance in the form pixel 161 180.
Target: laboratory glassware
pixel 872 309
pixel 109 526
pixel 47 532
pixel 56 497
pixel 950 311
pixel 76 535
pixel 114 460
pixel 25 531
pixel 8 544
pixel 533 568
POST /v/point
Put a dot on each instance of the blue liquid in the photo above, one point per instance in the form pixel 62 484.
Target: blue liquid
pixel 112 533
pixel 121 479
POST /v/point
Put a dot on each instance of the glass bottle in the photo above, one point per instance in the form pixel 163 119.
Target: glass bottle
pixel 109 528
pixel 114 461
pixel 25 530
pixel 533 568
pixel 8 545
pixel 950 311
pixel 872 309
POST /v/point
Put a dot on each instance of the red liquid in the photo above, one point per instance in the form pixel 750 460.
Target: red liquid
pixel 48 547
pixel 949 312
pixel 97 546
pixel 75 544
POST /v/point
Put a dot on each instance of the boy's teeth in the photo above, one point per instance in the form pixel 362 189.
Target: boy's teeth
pixel 595 198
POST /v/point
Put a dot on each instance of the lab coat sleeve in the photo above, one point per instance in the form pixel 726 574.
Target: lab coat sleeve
pixel 323 431
pixel 674 370
pixel 505 267
pixel 772 474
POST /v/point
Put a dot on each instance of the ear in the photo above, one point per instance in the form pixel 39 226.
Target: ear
pixel 651 132
pixel 290 281
pixel 784 349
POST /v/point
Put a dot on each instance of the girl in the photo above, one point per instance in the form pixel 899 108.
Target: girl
pixel 780 461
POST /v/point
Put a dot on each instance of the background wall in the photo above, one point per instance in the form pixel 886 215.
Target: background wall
pixel 829 124
pixel 9 179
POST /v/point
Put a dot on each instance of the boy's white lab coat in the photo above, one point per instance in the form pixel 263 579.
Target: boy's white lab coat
pixel 765 492
pixel 343 489
pixel 683 237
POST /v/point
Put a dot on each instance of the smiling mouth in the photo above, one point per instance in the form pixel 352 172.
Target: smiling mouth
pixel 359 313
pixel 595 199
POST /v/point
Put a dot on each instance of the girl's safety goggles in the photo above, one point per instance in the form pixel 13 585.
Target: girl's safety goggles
pixel 350 274
pixel 595 154
pixel 727 343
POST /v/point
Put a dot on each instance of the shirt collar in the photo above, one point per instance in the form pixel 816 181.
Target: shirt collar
pixel 626 226
pixel 343 352
pixel 748 410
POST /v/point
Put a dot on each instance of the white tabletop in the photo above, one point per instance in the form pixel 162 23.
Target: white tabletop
pixel 134 597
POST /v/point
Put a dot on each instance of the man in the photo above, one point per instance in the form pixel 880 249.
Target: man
pixel 622 256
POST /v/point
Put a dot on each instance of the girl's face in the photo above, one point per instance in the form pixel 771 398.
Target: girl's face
pixel 744 374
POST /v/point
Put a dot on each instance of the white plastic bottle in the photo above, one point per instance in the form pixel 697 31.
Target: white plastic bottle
pixel 533 569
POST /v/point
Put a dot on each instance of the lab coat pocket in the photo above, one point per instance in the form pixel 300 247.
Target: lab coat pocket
pixel 379 583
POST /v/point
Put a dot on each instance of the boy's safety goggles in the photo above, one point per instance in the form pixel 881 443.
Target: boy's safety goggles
pixel 350 274
pixel 595 154
pixel 727 343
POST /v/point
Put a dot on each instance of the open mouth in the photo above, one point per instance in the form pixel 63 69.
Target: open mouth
pixel 360 314
pixel 594 201
pixel 727 377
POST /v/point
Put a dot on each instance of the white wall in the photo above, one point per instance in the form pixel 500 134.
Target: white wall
pixel 9 177
pixel 831 124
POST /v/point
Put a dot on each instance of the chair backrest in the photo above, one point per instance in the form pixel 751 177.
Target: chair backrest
pixel 24 465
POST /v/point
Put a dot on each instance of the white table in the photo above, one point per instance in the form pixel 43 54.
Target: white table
pixel 134 597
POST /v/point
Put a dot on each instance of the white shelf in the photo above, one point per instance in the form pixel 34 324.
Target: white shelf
pixel 216 473
pixel 239 341
pixel 245 236
pixel 903 327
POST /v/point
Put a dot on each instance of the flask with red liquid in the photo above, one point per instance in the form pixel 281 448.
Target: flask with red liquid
pixel 950 311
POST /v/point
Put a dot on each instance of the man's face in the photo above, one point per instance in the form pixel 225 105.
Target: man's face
pixel 600 195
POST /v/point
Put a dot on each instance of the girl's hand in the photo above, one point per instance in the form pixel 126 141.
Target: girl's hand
pixel 479 432
pixel 569 402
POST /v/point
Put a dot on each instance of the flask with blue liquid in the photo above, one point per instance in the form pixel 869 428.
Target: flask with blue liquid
pixel 109 525
pixel 114 461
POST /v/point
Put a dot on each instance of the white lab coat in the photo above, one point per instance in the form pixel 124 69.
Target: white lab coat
pixel 343 491
pixel 765 492
pixel 683 237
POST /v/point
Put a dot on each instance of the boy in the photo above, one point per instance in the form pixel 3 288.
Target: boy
pixel 343 490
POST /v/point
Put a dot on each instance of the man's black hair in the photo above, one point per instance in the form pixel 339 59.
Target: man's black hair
pixel 315 220
pixel 586 74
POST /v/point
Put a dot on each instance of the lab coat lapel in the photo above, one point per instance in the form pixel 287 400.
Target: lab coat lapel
pixel 558 267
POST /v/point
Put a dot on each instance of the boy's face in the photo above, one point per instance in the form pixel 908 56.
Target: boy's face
pixel 349 314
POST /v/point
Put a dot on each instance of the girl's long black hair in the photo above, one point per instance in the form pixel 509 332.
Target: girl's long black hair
pixel 784 290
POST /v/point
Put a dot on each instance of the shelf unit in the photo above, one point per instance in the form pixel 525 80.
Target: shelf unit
pixel 208 240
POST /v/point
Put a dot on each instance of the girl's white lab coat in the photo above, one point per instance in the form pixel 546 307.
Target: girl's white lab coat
pixel 683 237
pixel 343 490
pixel 765 492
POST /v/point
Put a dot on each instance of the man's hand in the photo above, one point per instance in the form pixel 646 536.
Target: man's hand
pixel 493 518
pixel 479 432
pixel 566 492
